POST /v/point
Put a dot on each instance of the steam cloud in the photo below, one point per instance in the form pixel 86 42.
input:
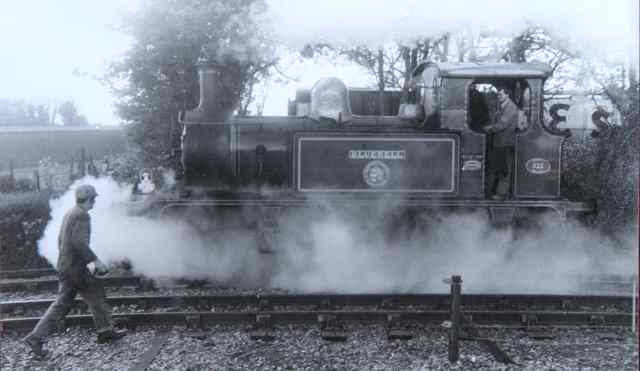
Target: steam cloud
pixel 157 248
pixel 348 250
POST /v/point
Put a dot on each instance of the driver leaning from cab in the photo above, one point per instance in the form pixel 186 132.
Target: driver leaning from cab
pixel 509 119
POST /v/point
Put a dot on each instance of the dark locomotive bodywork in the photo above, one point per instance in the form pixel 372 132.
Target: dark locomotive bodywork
pixel 429 152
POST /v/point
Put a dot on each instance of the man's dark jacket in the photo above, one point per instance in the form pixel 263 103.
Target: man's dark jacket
pixel 73 243
pixel 506 123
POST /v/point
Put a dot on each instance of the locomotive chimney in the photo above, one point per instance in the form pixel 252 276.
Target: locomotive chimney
pixel 219 93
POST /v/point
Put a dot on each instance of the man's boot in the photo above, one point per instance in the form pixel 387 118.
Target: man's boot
pixel 110 335
pixel 35 345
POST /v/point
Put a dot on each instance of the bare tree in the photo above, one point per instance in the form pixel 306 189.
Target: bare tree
pixel 390 66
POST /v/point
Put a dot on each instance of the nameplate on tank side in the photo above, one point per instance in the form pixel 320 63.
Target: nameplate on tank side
pixel 374 163
pixel 377 155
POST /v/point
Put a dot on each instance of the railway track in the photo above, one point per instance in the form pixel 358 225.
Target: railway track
pixel 27 273
pixel 50 283
pixel 331 311
pixel 45 280
pixel 269 316
pixel 410 301
pixel 201 311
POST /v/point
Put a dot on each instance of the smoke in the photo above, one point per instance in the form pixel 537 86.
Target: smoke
pixel 377 249
pixel 155 247
pixel 349 257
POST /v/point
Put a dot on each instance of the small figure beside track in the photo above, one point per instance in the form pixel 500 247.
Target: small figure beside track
pixel 76 267
pixel 509 118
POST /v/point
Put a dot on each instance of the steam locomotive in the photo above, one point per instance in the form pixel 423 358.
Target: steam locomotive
pixel 423 148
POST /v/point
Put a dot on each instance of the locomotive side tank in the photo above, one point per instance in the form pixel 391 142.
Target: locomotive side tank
pixel 334 145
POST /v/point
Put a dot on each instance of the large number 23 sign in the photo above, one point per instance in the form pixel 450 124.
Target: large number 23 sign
pixel 555 117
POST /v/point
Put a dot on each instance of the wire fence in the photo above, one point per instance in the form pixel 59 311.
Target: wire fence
pixel 50 175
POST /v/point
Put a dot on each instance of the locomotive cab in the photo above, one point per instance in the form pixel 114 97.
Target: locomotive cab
pixel 463 96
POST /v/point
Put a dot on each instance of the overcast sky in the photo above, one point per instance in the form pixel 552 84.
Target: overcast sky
pixel 44 41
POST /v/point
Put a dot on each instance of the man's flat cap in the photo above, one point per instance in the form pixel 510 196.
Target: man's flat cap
pixel 85 192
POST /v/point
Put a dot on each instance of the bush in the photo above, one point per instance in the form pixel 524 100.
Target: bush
pixel 25 185
pixel 605 169
pixel 619 173
pixel 7 184
pixel 578 167
pixel 124 168
pixel 23 217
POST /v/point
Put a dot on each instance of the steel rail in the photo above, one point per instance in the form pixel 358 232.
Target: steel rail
pixel 46 273
pixel 430 301
pixel 29 280
pixel 51 283
pixel 203 319
pixel 27 273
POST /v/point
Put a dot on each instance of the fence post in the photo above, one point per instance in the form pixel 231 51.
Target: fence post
pixel 83 163
pixel 91 167
pixel 12 179
pixel 454 330
pixel 71 178
pixel 36 180
pixel 634 305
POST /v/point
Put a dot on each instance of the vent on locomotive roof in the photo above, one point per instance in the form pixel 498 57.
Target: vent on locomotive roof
pixel 330 99
pixel 301 105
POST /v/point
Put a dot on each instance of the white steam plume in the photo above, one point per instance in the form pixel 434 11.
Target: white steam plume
pixel 346 258
pixel 342 251
pixel 156 248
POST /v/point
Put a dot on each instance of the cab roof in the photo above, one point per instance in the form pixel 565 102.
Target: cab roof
pixel 486 70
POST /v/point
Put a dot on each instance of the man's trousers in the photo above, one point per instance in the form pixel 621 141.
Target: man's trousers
pixel 92 292
pixel 501 169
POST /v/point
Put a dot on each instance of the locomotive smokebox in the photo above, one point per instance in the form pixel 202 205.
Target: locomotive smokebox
pixel 206 135
pixel 219 93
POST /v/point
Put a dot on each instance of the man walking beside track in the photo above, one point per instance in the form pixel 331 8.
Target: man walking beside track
pixel 76 266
